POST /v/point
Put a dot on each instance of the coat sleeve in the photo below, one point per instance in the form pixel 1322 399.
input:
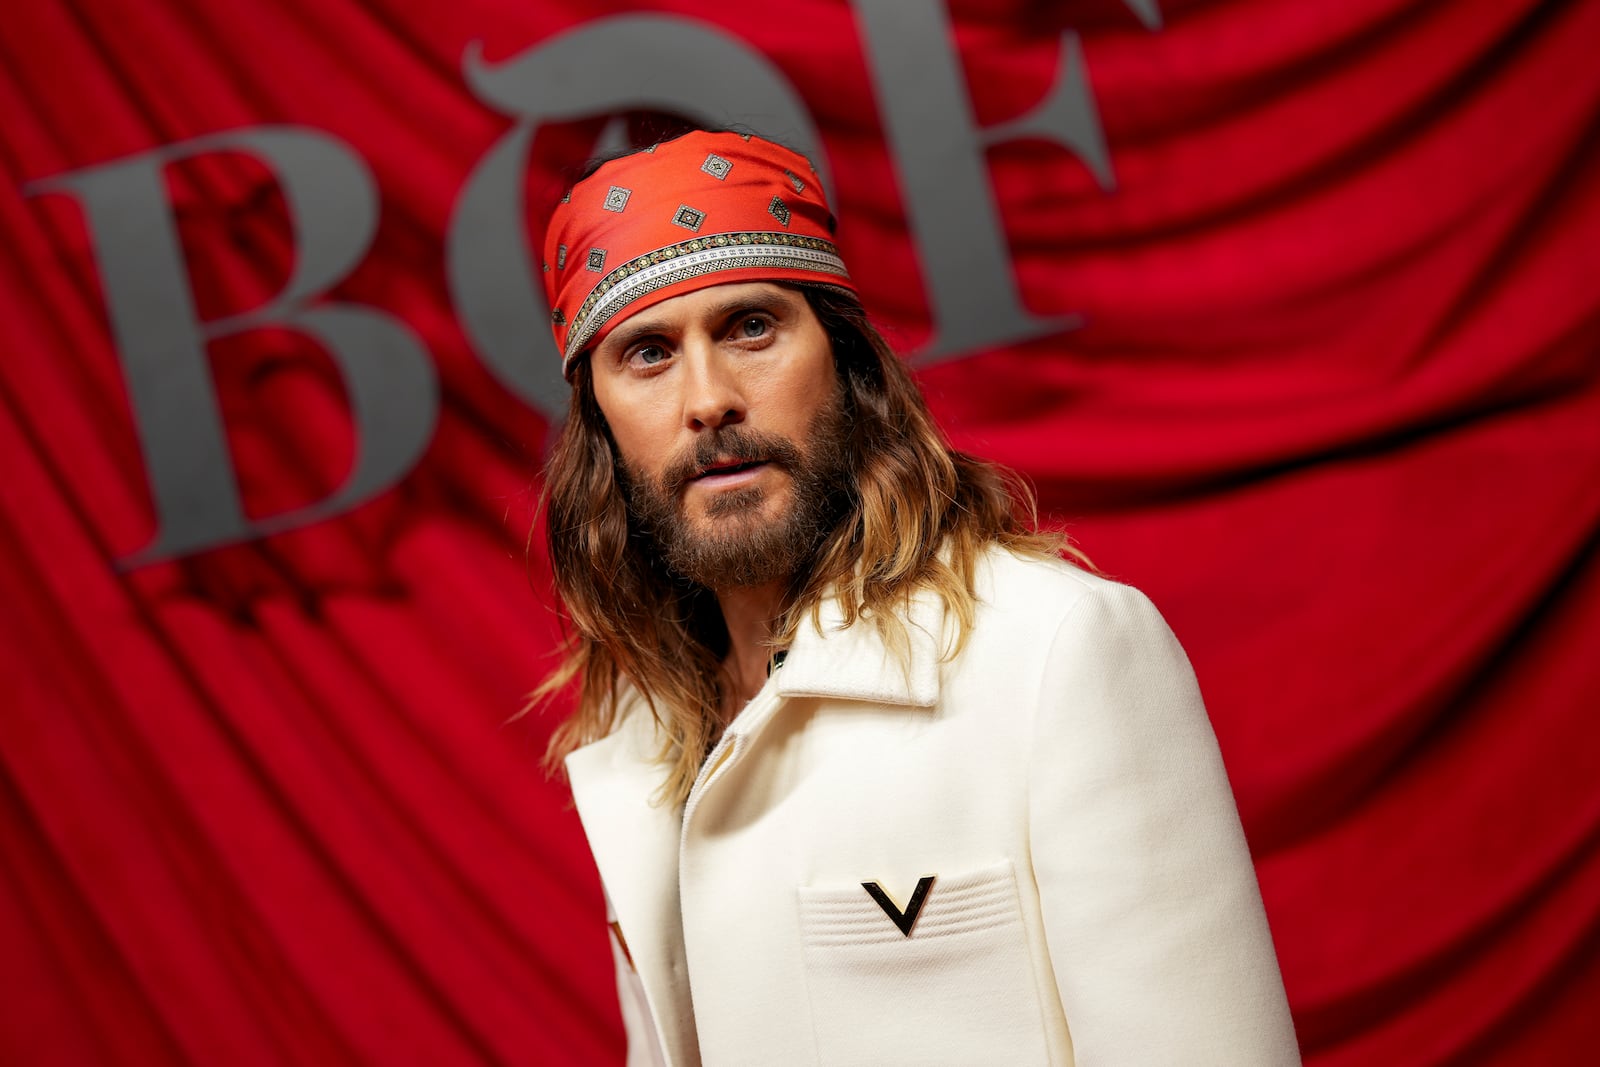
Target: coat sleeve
pixel 644 1049
pixel 1152 914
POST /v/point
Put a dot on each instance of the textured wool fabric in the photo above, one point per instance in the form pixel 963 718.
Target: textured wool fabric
pixel 701 209
pixel 975 930
pixel 1091 900
pixel 1334 405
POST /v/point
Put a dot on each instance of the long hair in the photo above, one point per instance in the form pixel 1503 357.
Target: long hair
pixel 917 514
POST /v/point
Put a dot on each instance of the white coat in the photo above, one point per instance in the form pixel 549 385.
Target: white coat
pixel 1092 899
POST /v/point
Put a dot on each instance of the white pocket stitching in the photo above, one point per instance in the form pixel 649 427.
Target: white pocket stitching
pixel 974 900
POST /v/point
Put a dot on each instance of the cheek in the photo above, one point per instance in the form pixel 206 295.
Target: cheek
pixel 630 442
pixel 804 382
pixel 642 430
pixel 817 390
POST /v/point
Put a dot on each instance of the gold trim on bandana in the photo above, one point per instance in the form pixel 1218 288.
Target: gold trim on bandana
pixel 689 259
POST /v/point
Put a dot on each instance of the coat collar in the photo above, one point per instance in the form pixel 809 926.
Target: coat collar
pixel 830 659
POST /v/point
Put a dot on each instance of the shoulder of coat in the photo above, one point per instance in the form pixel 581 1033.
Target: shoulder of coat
pixel 1008 582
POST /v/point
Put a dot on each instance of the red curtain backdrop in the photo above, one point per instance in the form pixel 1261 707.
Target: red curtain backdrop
pixel 1334 406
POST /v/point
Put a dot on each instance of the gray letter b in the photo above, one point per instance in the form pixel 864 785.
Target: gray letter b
pixel 333 208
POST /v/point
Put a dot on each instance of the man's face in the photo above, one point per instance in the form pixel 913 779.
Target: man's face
pixel 728 417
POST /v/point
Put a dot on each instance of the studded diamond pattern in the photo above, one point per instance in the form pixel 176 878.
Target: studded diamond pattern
pixel 688 218
pixel 716 166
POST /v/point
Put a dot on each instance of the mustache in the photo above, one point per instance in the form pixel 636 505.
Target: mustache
pixel 733 444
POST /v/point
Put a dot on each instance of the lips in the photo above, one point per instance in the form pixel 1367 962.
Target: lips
pixel 726 466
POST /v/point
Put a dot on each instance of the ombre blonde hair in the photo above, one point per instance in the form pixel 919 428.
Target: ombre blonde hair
pixel 917 516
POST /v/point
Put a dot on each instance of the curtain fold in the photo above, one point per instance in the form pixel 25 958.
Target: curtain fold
pixel 1333 403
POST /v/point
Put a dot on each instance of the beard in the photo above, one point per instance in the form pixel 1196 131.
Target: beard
pixel 738 546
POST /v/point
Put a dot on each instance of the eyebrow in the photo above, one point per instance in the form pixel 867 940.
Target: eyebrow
pixel 626 337
pixel 766 301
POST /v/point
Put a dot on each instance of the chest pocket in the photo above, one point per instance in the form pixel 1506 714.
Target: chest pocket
pixel 958 989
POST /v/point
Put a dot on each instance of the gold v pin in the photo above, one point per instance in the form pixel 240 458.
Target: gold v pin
pixel 903 919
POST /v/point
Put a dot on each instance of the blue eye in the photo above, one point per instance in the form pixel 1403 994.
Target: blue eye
pixel 752 327
pixel 650 355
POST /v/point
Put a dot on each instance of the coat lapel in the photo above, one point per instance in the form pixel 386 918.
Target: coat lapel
pixel 635 844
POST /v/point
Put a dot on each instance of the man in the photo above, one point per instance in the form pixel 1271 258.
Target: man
pixel 871 775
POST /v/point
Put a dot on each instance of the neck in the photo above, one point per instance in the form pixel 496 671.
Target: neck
pixel 749 613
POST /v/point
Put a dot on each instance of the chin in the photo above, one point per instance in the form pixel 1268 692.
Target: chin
pixel 746 501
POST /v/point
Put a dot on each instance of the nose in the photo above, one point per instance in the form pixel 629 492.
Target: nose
pixel 712 394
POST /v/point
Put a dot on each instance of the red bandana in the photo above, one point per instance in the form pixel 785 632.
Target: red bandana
pixel 704 209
